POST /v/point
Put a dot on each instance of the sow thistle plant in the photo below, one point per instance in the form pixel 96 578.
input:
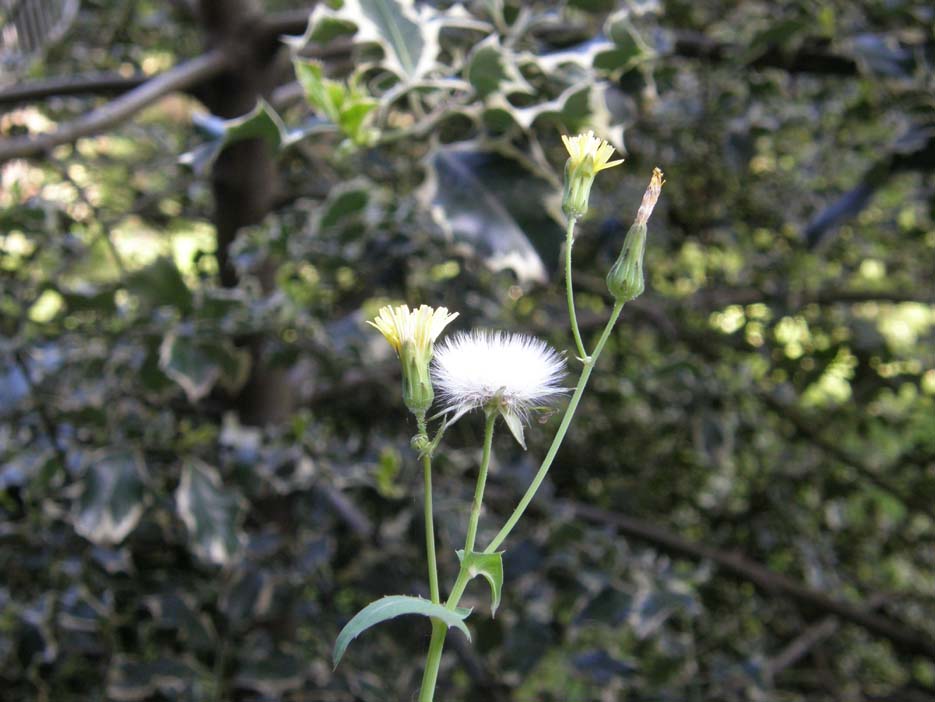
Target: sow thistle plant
pixel 504 376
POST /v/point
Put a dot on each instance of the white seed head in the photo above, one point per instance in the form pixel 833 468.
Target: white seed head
pixel 476 369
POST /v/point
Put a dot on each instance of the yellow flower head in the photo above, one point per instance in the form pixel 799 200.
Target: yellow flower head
pixel 588 155
pixel 587 145
pixel 421 327
pixel 412 335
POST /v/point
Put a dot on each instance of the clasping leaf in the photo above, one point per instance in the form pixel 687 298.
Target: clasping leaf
pixel 395 606
pixel 489 565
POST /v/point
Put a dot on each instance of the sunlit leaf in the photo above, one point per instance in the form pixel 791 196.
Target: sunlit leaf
pixel 346 105
pixel 395 606
pixel 473 214
pixel 407 35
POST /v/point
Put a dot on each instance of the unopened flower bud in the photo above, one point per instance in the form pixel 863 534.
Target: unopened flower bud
pixel 625 280
pixel 417 382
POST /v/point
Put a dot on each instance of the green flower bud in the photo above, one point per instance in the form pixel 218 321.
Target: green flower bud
pixel 418 393
pixel 578 181
pixel 625 280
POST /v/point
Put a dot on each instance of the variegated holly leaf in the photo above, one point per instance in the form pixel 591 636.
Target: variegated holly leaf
pixel 210 511
pixel 491 68
pixel 579 107
pixel 178 678
pixel 198 363
pixel 460 193
pixel 272 675
pixel 112 496
pixel 407 35
pixel 262 122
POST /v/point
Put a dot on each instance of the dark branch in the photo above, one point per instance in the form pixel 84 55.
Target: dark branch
pixel 900 634
pixel 143 93
pixel 113 113
pixel 92 84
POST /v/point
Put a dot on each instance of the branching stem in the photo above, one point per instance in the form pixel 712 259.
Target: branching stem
pixel 560 435
pixel 439 630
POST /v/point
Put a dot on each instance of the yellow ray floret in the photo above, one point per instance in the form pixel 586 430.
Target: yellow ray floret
pixel 587 145
pixel 421 326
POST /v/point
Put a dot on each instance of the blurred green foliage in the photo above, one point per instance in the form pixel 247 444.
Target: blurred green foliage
pixel 771 394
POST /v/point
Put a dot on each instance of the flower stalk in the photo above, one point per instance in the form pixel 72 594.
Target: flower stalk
pixel 429 516
pixel 569 291
pixel 508 376
pixel 625 279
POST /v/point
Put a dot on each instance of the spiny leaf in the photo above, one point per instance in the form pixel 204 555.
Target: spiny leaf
pixel 491 68
pixel 394 606
pixel 579 106
pixel 490 566
pixel 262 122
pixel 408 37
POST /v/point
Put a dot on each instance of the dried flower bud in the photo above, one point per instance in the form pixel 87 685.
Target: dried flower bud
pixel 625 279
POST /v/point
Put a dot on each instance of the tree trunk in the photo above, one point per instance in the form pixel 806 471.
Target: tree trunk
pixel 244 179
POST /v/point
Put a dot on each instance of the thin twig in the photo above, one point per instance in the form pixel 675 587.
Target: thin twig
pixel 68 86
pixel 113 113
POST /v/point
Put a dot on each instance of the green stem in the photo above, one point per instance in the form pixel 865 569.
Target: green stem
pixel 429 518
pixel 569 293
pixel 440 630
pixel 559 436
pixel 433 661
pixel 481 482
pixel 430 531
